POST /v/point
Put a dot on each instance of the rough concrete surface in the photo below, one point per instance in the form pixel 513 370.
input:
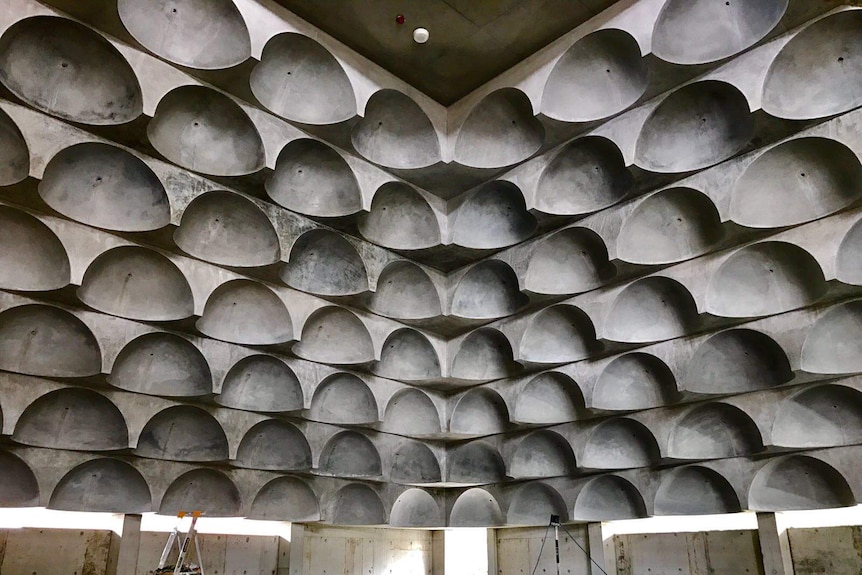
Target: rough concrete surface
pixel 244 270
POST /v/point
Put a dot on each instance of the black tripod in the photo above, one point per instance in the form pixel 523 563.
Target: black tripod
pixel 555 523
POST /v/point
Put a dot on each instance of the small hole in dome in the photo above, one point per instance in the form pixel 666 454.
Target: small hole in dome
pixel 299 171
pixel 98 178
pixel 840 58
pixel 34 332
pixel 216 219
pixel 152 354
pixel 834 406
pixel 197 124
pixel 379 123
pixel 288 73
pixel 583 252
pixel 174 10
pixel 771 270
pixel 703 119
pixel 679 219
pixel 727 3
pixel 608 70
pixel 514 122
pixel 64 65
pixel 802 174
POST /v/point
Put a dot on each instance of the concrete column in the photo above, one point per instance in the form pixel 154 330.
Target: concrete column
pixel 774 545
pixel 492 551
pixel 297 548
pixel 126 560
pixel 438 552
pixel 601 550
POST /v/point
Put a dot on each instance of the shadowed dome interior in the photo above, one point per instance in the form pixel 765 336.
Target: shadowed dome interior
pixel 245 270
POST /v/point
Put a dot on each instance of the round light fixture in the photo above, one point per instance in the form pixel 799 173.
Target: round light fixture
pixel 420 35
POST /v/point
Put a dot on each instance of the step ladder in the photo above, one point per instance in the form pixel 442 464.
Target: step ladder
pixel 181 568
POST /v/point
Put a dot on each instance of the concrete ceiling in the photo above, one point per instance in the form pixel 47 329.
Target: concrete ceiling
pixel 471 41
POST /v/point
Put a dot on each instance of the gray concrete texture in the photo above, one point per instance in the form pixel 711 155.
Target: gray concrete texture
pixel 262 277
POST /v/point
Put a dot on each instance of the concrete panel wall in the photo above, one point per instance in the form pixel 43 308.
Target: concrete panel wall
pixel 343 551
pixel 520 551
pixel 832 550
pixel 704 553
pixel 55 551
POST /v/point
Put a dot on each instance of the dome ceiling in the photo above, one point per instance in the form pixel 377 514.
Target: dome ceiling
pixel 286 285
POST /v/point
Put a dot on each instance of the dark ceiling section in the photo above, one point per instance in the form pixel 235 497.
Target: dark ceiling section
pixel 471 42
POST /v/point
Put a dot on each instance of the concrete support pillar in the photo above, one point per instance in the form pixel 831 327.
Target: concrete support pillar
pixel 774 545
pixel 297 548
pixel 601 550
pixel 126 560
pixel 492 551
pixel 438 552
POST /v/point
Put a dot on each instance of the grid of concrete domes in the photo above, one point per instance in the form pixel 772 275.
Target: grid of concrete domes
pixel 246 271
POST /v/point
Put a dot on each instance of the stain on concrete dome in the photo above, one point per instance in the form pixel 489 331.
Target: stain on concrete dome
pixel 568 262
pixel 207 132
pixel 122 282
pixel 415 508
pixel 400 219
pixel 821 416
pixel 695 127
pixel 602 74
pixel 274 445
pixel 670 226
pixel 335 335
pixel 714 431
pixel 300 80
pixel 313 179
pixel 202 34
pixel 494 216
pixel 285 499
pixel 246 312
pixel 765 278
pixel 651 309
pixel 75 419
pixel 81 76
pixel 183 433
pixel 407 355
pixel 228 229
pixel 396 133
pixel 162 364
pixel 813 176
pixel 586 175
pixel 42 266
pixel 47 341
pixel 702 31
pixel 500 131
pixel 695 490
pixel 632 381
pixel 819 72
pixel 102 485
pixel 798 482
pixel 107 187
pixel 608 497
pixel 261 383
pixel 405 291
pixel 14 154
pixel 18 485
pixel 533 502
pixel 202 489
pixel 325 263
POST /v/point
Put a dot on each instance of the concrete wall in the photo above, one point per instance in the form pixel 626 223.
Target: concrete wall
pixel 832 550
pixel 704 553
pixel 318 550
pixel 55 551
